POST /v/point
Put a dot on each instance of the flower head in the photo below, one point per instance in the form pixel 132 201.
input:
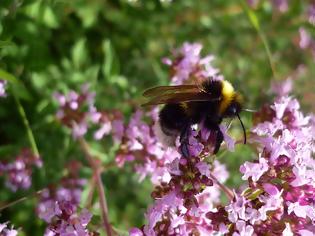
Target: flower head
pixel 19 172
pixel 278 194
pixel 3 84
pixel 78 112
pixel 188 64
pixel 5 231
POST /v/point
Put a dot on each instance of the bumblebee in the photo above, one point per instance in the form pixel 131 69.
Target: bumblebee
pixel 209 102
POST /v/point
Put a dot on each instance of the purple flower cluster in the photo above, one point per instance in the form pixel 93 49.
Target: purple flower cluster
pixel 280 197
pixel 188 64
pixel 280 194
pixel 3 84
pixel 181 205
pixel 184 191
pixel 311 13
pixel 306 42
pixel 280 5
pixel 78 112
pixel 67 221
pixel 143 142
pixel 58 206
pixel 5 231
pixel 141 146
pixel 184 198
pixel 18 173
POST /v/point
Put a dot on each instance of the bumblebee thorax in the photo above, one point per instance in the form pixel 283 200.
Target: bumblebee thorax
pixel 227 96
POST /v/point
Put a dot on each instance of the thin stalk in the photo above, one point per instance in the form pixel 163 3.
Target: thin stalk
pixel 89 199
pixel 229 193
pixel 20 200
pixel 255 23
pixel 29 132
pixel 99 185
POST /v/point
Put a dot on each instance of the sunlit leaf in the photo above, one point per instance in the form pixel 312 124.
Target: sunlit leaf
pixel 79 53
pixel 8 77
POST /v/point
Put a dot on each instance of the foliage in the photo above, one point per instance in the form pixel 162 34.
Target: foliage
pixel 116 47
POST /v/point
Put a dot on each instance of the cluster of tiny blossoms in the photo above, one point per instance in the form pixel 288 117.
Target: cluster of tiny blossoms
pixel 184 187
pixel 78 112
pixel 280 198
pixel 141 146
pixel 187 65
pixel 18 174
pixel 3 85
pixel 141 142
pixel 5 231
pixel 306 41
pixel 58 206
pixel 283 6
pixel 280 5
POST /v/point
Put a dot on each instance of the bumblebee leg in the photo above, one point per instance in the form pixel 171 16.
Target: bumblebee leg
pixel 219 140
pixel 184 141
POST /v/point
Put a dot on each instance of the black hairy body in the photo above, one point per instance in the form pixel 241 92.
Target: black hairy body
pixel 185 105
pixel 176 118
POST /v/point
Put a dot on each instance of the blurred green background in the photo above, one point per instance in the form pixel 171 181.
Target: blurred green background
pixel 116 46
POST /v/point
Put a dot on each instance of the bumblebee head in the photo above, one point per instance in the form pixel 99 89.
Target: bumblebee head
pixel 233 109
pixel 233 106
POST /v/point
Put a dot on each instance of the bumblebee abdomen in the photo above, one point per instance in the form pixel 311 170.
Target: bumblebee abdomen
pixel 173 117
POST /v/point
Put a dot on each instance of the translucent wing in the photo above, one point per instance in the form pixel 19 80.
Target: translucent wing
pixel 180 97
pixel 161 90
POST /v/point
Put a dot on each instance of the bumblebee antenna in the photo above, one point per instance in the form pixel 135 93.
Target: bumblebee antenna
pixel 244 131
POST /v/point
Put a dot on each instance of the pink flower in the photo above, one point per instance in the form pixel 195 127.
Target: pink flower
pixel 282 88
pixel 5 231
pixel 188 63
pixel 78 112
pixel 278 193
pixel 58 205
pixel 253 3
pixel 254 170
pixel 311 13
pixel 230 142
pixel 135 232
pixel 48 209
pixel 281 5
pixel 305 39
pixel 18 173
pixel 3 84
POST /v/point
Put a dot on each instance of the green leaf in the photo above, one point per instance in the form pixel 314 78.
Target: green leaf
pixel 255 23
pixel 49 18
pixel 111 63
pixel 79 53
pixel 18 87
pixel 21 91
pixel 7 150
pixel 253 18
pixel 4 44
pixel 8 77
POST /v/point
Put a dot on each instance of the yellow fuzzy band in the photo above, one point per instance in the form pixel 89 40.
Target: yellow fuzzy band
pixel 227 96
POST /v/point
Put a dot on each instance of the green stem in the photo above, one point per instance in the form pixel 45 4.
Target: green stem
pixel 255 23
pixel 99 185
pixel 268 51
pixel 26 124
pixel 2 207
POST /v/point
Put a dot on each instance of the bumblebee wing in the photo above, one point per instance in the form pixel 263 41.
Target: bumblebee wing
pixel 161 90
pixel 180 97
